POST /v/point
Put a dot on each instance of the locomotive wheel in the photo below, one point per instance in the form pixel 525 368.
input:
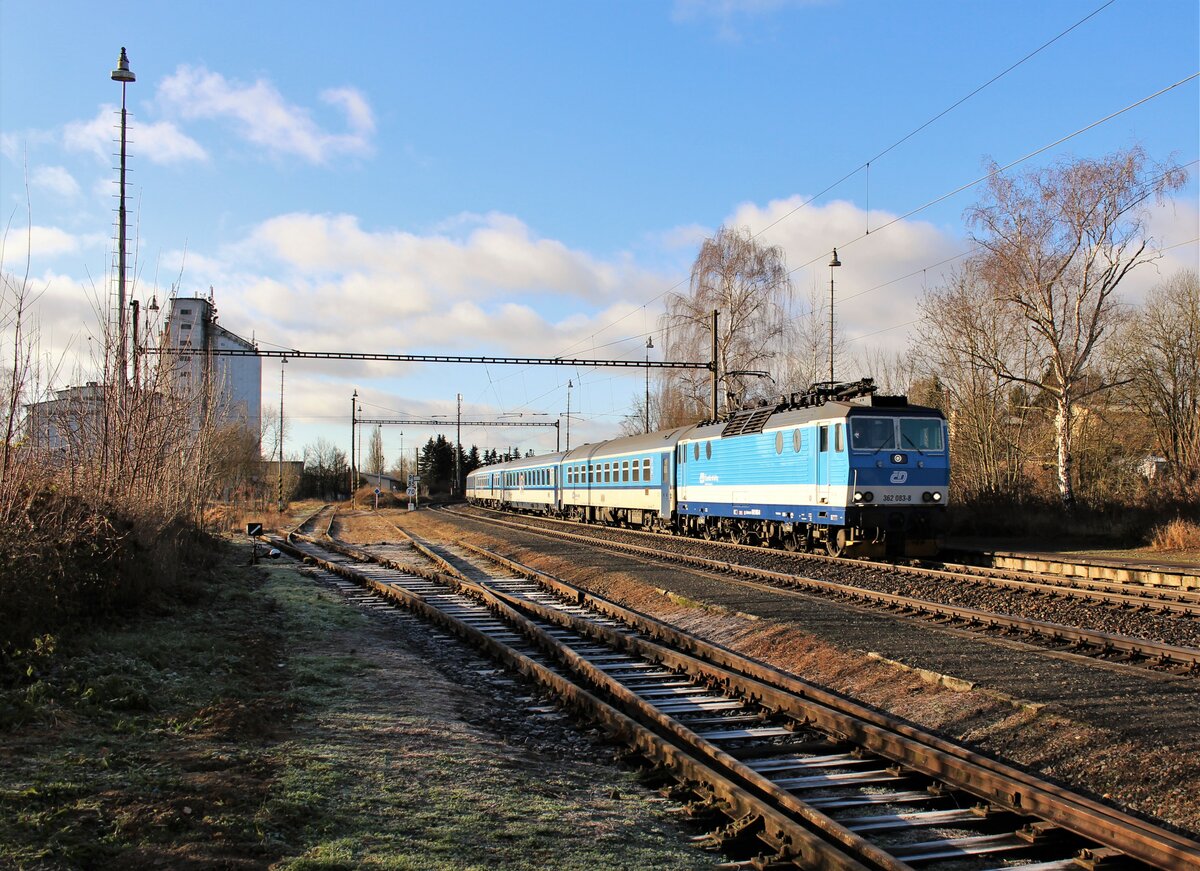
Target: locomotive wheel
pixel 706 532
pixel 835 544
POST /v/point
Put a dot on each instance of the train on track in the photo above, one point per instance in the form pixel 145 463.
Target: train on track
pixel 837 467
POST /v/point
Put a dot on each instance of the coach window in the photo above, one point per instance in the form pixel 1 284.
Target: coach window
pixel 796 440
pixel 637 470
pixel 839 443
pixel 779 442
pixel 708 450
pixel 625 470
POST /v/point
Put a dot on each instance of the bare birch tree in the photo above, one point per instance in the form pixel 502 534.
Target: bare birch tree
pixel 1057 243
pixel 748 283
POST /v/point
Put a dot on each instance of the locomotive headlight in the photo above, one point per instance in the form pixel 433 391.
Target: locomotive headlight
pixel 858 497
pixel 926 496
pixel 868 496
pixel 937 497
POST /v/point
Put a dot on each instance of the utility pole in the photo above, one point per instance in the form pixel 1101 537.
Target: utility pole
pixel 832 263
pixel 133 304
pixel 716 375
pixel 649 345
pixel 570 384
pixel 279 488
pixel 123 75
pixel 353 423
pixel 458 451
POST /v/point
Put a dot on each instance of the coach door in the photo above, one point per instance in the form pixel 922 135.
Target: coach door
pixel 823 464
pixel 664 510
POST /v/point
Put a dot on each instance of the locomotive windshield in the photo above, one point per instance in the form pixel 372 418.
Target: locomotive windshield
pixel 890 433
pixel 872 433
pixel 922 434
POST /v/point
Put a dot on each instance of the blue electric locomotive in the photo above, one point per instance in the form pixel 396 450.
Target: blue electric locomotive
pixel 837 467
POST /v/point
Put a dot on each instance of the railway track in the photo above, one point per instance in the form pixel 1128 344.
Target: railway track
pixel 784 773
pixel 1183 658
pixel 1161 599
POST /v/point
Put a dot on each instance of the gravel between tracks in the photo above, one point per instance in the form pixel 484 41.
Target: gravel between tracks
pixel 1176 629
pixel 1112 730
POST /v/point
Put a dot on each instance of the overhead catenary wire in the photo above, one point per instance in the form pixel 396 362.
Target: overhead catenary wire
pixel 1002 169
pixel 882 153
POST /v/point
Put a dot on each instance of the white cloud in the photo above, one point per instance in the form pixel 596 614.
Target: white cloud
pixel 486 255
pixel 55 179
pixel 262 116
pixel 871 305
pixel 159 141
pixel 51 241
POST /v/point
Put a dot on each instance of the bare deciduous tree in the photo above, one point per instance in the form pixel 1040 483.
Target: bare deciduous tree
pixel 1057 243
pixel 964 341
pixel 748 283
pixel 375 459
pixel 1161 352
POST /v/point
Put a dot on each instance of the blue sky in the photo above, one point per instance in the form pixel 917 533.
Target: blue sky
pixel 529 178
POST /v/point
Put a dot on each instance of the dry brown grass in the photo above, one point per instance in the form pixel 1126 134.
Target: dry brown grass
pixel 1178 534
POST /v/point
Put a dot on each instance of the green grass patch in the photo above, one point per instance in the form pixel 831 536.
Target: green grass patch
pixel 262 721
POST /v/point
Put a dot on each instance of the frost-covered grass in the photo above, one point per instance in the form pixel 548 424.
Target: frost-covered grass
pixel 265 722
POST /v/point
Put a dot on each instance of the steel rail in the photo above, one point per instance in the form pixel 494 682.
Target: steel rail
pixel 887 736
pixel 1163 599
pixel 792 840
pixel 1103 642
pixel 893 739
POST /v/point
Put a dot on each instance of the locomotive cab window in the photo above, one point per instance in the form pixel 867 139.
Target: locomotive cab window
pixel 839 443
pixel 873 433
pixel 922 434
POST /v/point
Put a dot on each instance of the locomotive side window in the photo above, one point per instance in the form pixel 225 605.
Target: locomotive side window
pixel 696 451
pixel 922 434
pixel 823 440
pixel 839 443
pixel 796 440
pixel 872 433
pixel 708 450
pixel 779 442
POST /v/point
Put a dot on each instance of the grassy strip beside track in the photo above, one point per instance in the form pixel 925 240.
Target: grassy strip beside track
pixel 266 722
